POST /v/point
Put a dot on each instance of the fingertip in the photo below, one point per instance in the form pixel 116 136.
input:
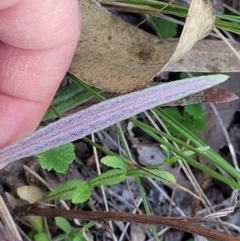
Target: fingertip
pixel 7 3
pixel 2 166
pixel 40 24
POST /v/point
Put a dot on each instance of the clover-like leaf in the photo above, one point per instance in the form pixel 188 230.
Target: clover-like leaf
pixel 57 158
pixel 195 110
pixel 191 122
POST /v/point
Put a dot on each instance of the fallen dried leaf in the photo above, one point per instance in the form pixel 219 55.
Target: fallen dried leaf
pixel 29 193
pixel 208 56
pixel 118 57
pixel 214 95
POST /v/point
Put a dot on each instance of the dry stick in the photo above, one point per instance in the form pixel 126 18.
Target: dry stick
pixel 227 137
pixel 6 216
pixel 225 40
pixel 154 14
pixel 190 225
pixel 102 188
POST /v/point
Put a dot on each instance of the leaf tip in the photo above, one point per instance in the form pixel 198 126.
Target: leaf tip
pixel 219 95
pixel 221 77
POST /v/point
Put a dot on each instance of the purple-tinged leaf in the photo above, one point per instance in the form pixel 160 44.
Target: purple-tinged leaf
pixel 219 95
pixel 214 95
pixel 4 238
pixel 105 114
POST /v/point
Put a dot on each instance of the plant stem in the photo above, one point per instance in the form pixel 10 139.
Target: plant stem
pixel 191 225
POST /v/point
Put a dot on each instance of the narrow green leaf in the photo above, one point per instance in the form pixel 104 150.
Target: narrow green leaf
pixel 36 223
pixel 153 173
pixel 208 155
pixel 171 160
pixel 79 237
pixel 63 224
pixel 166 150
pixel 114 162
pixel 203 148
pixel 184 75
pixel 64 191
pixel 57 158
pixel 108 178
pixel 167 161
pixel 81 193
pixel 67 98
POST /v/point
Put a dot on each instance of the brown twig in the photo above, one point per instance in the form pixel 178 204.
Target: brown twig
pixel 6 217
pixel 190 225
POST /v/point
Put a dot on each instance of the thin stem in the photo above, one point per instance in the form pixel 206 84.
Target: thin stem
pixel 190 225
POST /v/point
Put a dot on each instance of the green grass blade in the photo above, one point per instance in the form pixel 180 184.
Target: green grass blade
pixel 214 157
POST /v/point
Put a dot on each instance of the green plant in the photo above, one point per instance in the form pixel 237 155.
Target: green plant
pixel 165 28
pixel 223 21
pixel 60 157
pixel 83 123
pixel 57 158
pixel 192 117
pixel 69 233
pixel 79 191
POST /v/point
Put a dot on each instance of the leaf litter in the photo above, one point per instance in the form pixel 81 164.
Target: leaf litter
pixel 117 57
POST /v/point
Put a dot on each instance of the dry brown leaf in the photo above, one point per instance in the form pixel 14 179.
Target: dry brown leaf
pixel 199 24
pixel 8 222
pixel 208 56
pixel 31 194
pixel 214 95
pixel 118 57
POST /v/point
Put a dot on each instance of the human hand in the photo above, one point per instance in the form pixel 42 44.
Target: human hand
pixel 38 41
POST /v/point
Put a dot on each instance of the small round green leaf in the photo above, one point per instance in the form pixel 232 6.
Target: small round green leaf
pixel 63 224
pixel 57 158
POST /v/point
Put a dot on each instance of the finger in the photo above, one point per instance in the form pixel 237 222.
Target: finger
pixel 40 24
pixel 30 77
pixel 8 3
pixel 29 81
